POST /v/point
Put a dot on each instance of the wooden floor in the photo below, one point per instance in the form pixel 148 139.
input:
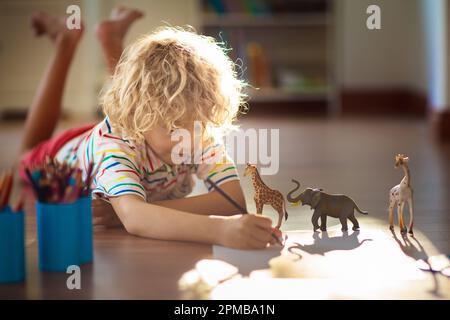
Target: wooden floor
pixel 350 156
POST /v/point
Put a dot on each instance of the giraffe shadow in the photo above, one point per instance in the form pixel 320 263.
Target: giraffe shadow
pixel 323 244
pixel 415 250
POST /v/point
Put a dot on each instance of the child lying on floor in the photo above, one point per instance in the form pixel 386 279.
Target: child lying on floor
pixel 165 81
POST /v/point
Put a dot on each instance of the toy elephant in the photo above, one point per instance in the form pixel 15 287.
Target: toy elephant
pixel 324 204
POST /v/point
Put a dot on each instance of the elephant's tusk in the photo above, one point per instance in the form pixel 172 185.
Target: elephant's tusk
pixel 295 204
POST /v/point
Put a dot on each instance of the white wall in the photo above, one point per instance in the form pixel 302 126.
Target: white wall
pixel 23 57
pixel 436 28
pixel 157 13
pixel 373 59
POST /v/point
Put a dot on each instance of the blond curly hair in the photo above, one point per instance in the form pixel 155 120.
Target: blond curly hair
pixel 170 77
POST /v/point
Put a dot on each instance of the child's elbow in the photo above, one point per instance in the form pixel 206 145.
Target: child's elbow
pixel 132 227
pixel 131 223
pixel 127 211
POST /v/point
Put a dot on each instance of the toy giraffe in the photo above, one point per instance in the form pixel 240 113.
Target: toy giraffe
pixel 400 194
pixel 265 195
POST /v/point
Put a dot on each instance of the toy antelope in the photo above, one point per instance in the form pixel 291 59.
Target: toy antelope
pixel 400 194
pixel 265 195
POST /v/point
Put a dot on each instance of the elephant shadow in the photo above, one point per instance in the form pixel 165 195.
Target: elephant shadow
pixel 415 250
pixel 323 244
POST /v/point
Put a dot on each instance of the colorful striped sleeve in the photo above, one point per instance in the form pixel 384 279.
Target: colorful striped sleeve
pixel 217 165
pixel 119 172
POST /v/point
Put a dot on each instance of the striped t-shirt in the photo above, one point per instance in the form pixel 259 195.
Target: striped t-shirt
pixel 129 168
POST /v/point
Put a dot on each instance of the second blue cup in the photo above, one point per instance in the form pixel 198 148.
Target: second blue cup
pixel 86 241
pixel 64 234
pixel 12 246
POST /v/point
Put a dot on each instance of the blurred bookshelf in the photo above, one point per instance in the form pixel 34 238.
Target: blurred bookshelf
pixel 280 20
pixel 282 44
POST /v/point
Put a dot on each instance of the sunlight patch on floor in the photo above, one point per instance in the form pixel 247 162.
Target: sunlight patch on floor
pixel 332 264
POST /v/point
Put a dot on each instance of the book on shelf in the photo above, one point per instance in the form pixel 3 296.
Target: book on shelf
pixel 263 7
pixel 249 7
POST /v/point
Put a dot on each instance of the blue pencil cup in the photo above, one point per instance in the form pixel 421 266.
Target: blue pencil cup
pixel 64 234
pixel 86 242
pixel 12 246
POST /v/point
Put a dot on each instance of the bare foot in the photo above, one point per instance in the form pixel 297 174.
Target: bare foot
pixel 113 30
pixel 54 27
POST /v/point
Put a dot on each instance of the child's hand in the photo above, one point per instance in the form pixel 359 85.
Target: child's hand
pixel 103 214
pixel 248 231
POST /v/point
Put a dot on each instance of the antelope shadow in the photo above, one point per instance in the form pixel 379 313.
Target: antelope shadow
pixel 415 250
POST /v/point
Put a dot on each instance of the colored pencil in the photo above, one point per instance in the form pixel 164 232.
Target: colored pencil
pixel 6 189
pixel 19 204
pixel 226 196
pixel 60 182
pixel 6 186
pixel 93 173
pixel 33 183
pixel 234 203
pixel 2 182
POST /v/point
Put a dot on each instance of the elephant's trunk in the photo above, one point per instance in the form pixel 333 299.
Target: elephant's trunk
pixel 289 195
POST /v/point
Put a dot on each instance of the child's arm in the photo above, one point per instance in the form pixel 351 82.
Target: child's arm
pixel 210 203
pixel 204 204
pixel 153 221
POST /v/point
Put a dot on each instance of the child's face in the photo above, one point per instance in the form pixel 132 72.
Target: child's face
pixel 160 140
